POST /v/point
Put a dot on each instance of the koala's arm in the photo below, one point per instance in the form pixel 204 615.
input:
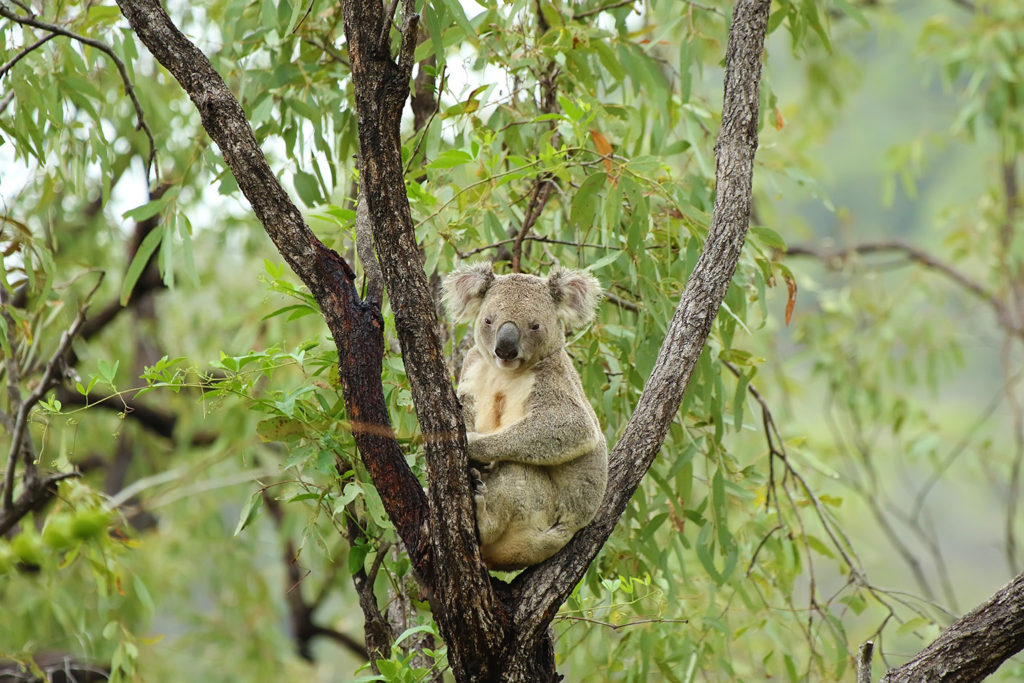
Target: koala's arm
pixel 466 398
pixel 548 437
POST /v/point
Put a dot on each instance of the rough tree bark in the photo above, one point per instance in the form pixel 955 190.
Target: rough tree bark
pixel 974 646
pixel 494 631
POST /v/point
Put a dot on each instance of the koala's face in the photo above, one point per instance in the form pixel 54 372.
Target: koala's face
pixel 518 322
pixel 520 319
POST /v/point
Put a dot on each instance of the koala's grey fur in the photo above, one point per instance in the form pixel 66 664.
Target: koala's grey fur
pixel 533 436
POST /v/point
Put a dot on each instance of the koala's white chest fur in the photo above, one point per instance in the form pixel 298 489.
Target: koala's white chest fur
pixel 500 396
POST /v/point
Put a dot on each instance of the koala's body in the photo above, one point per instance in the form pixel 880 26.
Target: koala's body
pixel 533 435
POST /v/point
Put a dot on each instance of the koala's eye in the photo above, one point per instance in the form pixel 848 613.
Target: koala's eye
pixel 487 321
pixel 535 326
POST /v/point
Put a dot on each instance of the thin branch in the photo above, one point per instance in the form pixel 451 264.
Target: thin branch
pixel 616 627
pixel 51 377
pixel 538 200
pixel 532 238
pixel 159 422
pixel 604 8
pixel 305 15
pixel 835 258
pixel 107 50
pixel 621 303
pixel 24 52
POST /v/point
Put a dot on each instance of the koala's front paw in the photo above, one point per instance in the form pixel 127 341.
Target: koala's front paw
pixel 476 480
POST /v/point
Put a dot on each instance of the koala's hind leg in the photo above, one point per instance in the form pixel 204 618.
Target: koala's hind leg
pixel 492 492
pixel 524 544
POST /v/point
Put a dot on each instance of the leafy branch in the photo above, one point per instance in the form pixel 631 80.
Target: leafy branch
pixel 129 88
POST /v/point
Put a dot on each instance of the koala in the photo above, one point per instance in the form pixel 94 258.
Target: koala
pixel 538 454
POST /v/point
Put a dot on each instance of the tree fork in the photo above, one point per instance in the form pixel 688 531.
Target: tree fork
pixel 488 638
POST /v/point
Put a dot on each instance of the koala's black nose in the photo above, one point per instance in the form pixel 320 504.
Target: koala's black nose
pixel 506 344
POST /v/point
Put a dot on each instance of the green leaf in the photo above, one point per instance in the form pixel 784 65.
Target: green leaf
pixel 451 158
pixel 108 371
pixel 307 187
pixel 769 237
pixel 147 210
pixel 249 511
pixel 604 261
pixel 139 261
pixel 585 201
pixel 357 556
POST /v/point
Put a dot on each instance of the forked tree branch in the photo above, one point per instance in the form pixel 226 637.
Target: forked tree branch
pixel 474 623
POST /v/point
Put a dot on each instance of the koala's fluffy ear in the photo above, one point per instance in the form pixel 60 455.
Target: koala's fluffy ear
pixel 464 290
pixel 576 293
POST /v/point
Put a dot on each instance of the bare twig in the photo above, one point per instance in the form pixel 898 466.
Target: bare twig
pixel 835 258
pixel 616 627
pixel 305 15
pixel 603 8
pixel 107 50
pixel 538 200
pixel 531 238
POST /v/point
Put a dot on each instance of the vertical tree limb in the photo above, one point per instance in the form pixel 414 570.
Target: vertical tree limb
pixel 539 591
pixel 470 619
pixel 356 326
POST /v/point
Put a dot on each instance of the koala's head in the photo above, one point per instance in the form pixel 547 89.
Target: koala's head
pixel 520 319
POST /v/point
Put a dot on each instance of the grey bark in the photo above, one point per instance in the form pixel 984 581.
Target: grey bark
pixel 973 647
